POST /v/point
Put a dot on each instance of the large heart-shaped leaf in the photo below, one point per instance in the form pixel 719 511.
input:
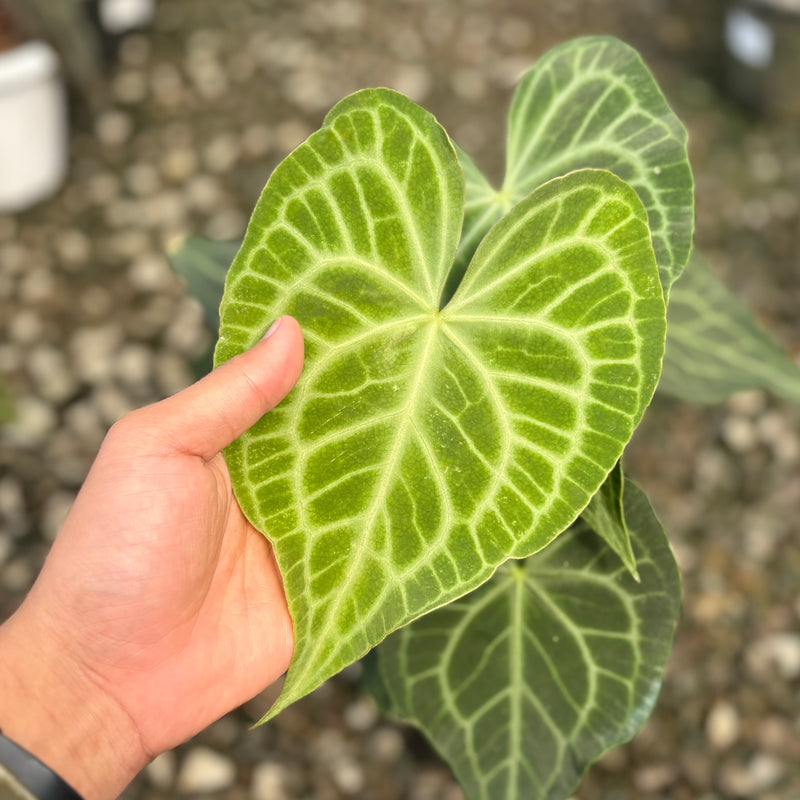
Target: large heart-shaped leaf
pixel 424 446
pixel 591 102
pixel 523 683
pixel 714 346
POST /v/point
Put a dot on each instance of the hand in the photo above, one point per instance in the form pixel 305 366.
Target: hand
pixel 159 607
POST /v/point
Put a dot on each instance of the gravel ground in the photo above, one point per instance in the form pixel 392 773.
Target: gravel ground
pixel 93 323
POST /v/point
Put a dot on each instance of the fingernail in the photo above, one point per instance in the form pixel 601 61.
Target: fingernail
pixel 272 328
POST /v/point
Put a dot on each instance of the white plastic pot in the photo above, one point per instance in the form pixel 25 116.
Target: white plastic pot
pixel 33 126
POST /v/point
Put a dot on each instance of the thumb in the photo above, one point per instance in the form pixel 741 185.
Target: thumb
pixel 207 416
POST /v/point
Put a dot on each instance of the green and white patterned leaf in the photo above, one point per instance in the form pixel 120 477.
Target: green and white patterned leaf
pixel 714 346
pixel 424 446
pixel 605 515
pixel 525 682
pixel 591 102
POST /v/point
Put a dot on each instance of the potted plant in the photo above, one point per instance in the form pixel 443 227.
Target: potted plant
pixel 33 136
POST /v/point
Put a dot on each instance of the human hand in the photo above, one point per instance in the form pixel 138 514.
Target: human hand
pixel 159 607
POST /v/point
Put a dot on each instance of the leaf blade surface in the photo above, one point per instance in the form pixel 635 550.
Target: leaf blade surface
pixel 382 478
pixel 523 683
pixel 715 347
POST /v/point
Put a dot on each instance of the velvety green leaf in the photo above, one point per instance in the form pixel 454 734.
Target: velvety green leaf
pixel 605 515
pixel 523 683
pixel 714 346
pixel 204 264
pixel 424 446
pixel 591 102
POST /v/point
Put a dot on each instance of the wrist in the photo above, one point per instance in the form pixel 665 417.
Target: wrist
pixel 51 706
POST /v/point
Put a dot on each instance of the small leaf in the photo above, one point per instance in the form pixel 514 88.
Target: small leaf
pixel 204 263
pixel 714 346
pixel 605 515
pixel 591 102
pixel 424 446
pixel 525 682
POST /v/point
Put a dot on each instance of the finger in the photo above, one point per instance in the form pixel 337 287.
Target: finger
pixel 207 416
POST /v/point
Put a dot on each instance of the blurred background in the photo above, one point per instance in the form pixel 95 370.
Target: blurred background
pixel 148 120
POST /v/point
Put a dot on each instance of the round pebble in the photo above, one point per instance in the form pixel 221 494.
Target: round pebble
pixel 161 770
pixel 113 128
pixel 205 770
pixel 722 725
pixel 269 782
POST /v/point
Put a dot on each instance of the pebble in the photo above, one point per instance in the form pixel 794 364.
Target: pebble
pixel 386 744
pixel 776 652
pixel 256 141
pixel 74 248
pixel 751 780
pixel 172 373
pixel 722 725
pixel 362 714
pixel 161 770
pixel 221 153
pixel 134 367
pixel 112 403
pixel 227 225
pixel 348 776
pixel 17 575
pixel 655 777
pixel 179 164
pixel 54 379
pixel 269 782
pixel 94 351
pixel 187 333
pixel 739 433
pixel 25 326
pixel 150 272
pixel 129 87
pixel 35 420
pixel 205 770
pixel 203 193
pixel 113 128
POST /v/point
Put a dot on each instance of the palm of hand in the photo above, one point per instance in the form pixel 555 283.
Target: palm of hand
pixel 179 618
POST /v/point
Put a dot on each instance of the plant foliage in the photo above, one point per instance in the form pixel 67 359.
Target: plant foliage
pixel 477 360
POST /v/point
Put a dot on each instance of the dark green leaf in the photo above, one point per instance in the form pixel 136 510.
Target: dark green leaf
pixel 605 515
pixel 523 683
pixel 714 346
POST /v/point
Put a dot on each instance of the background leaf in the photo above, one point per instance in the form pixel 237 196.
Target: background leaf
pixel 714 346
pixel 605 515
pixel 204 263
pixel 591 102
pixel 423 447
pixel 523 683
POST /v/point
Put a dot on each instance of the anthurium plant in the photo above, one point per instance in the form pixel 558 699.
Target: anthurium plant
pixel 444 488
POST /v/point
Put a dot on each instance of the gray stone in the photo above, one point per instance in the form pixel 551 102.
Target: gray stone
pixel 776 652
pixel 161 770
pixel 205 770
pixel 54 379
pixel 113 128
pixel 35 420
pixel 362 714
pixel 722 725
pixel 269 782
pixel 94 351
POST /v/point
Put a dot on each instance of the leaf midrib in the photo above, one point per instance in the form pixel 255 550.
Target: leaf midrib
pixel 386 475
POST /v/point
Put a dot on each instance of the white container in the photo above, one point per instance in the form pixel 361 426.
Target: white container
pixel 33 126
